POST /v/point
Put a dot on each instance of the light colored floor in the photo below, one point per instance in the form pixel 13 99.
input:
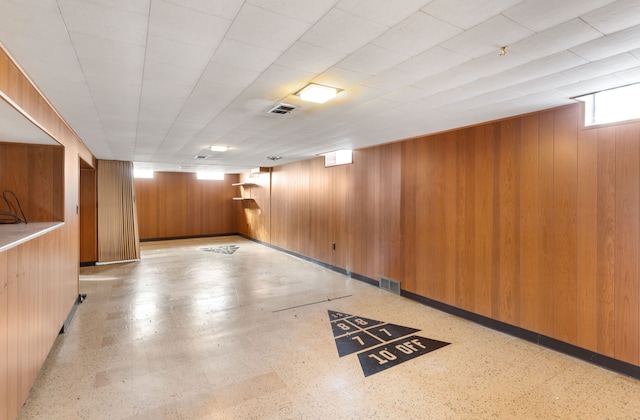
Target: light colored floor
pixel 188 334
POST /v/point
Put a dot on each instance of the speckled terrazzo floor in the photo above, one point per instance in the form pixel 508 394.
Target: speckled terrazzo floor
pixel 190 334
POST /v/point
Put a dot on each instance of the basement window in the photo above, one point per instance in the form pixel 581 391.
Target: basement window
pixel 142 173
pixel 613 105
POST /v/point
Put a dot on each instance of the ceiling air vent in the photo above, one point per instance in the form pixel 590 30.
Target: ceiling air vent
pixel 281 109
pixel 201 157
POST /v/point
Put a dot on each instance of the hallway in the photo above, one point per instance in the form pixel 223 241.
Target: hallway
pixel 227 328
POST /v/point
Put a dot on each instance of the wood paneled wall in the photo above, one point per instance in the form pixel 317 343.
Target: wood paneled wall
pixel 88 216
pixel 174 204
pixel 254 218
pixel 532 221
pixel 38 279
pixel 35 173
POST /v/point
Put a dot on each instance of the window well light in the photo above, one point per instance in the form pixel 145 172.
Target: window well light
pixel 142 173
pixel 338 157
pixel 219 148
pixel 612 105
pixel 317 93
pixel 210 176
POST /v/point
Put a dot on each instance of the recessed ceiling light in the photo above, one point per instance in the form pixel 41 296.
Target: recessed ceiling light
pixel 317 93
pixel 219 148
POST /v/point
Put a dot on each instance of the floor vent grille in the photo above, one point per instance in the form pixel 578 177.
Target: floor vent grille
pixel 391 285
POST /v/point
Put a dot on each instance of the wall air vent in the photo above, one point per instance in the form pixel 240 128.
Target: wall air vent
pixel 281 109
pixel 389 284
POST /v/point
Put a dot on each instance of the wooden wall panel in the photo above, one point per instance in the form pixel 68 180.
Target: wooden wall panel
pixel 508 209
pixel 465 287
pixel 321 196
pixel 340 178
pixel 529 224
pixel 424 227
pixel 88 216
pixel 626 298
pixel 174 205
pixel 606 192
pixel 453 179
pixel 409 210
pixel 391 262
pixel 484 244
pixel 565 170
pixel 587 239
pixel 546 226
pixel 364 214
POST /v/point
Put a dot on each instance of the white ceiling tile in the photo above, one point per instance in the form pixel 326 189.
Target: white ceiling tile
pixel 490 64
pixel 306 11
pixel 433 61
pixel 592 85
pixel 629 76
pixel 177 53
pixel 342 31
pixel 486 37
pixel 405 94
pixel 372 59
pixel 416 34
pixel 32 21
pixel 186 25
pixel 616 16
pixel 340 78
pixel 539 15
pixel 392 78
pixel 244 56
pixel 609 45
pixel 104 22
pixel 263 28
pixel 555 39
pixel 138 6
pixel 226 9
pixel 309 58
pixel 464 13
pixel 385 12
pixel 443 81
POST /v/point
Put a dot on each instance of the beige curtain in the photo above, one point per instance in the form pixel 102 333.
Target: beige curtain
pixel 118 238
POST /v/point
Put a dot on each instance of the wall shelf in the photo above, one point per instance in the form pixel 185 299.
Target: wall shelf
pixel 242 198
pixel 243 184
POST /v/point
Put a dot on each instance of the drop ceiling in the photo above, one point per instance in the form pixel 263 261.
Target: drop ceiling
pixel 159 81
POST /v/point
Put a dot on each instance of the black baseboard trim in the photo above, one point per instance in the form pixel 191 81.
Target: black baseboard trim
pixel 347 273
pixel 211 235
pixel 598 359
pixel 72 312
pixel 88 263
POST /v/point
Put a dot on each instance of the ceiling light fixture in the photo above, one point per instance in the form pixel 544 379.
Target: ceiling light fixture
pixel 317 93
pixel 503 51
pixel 219 148
pixel 274 158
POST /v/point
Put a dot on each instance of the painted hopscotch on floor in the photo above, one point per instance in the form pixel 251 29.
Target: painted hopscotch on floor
pixel 379 345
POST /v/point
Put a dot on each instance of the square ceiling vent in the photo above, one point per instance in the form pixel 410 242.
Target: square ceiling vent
pixel 281 109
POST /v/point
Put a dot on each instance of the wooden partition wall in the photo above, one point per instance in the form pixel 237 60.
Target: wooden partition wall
pixel 39 278
pixel 532 221
pixel 176 204
pixel 118 237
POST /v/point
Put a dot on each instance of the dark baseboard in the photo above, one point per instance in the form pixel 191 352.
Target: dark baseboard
pixel 72 312
pixel 212 235
pixel 88 263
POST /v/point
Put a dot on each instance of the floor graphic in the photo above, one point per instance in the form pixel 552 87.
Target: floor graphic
pixel 222 249
pixel 379 345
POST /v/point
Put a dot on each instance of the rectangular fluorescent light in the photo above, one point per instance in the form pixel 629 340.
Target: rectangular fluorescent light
pixel 210 176
pixel 219 148
pixel 317 93
pixel 142 173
